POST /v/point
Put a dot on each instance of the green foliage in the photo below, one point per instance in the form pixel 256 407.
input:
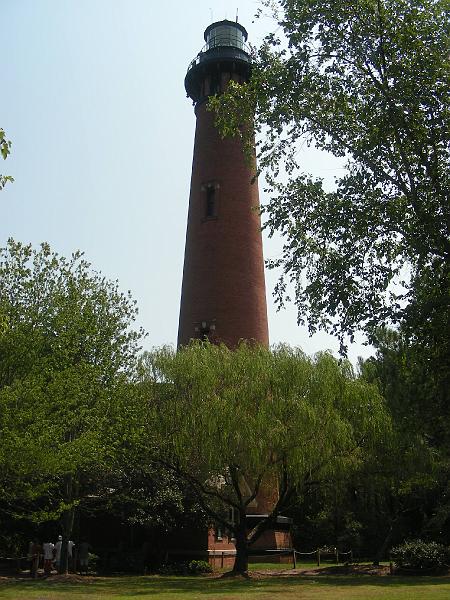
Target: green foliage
pixel 367 81
pixel 414 382
pixel 67 354
pixel 93 562
pixel 254 408
pixel 417 394
pixel 230 424
pixel 198 567
pixel 141 492
pixel 63 314
pixel 71 414
pixel 5 147
pixel 194 567
pixel 375 505
pixel 11 544
pixel 175 568
pixel 420 555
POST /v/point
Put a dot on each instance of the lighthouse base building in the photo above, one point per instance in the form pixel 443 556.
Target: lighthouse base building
pixel 217 546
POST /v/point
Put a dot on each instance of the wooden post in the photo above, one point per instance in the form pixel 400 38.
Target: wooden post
pixel 337 555
pixel 221 562
pixel 294 559
pixel 318 557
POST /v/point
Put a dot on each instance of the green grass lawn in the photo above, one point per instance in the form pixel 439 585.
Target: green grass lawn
pixel 323 587
pixel 281 566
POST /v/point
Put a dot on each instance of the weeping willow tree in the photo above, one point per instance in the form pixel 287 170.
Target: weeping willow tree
pixel 221 418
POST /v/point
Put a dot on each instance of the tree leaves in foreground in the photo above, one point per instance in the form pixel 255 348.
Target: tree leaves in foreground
pixel 415 385
pixel 5 147
pixel 67 352
pixel 367 81
pixel 234 425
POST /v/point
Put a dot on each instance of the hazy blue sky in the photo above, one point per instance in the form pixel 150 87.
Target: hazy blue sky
pixel 93 100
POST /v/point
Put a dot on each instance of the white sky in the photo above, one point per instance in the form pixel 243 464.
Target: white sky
pixel 93 100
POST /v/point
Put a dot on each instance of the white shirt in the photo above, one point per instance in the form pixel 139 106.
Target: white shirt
pixel 58 550
pixel 48 550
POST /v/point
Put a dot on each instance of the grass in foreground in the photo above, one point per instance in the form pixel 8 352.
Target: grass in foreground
pixel 267 566
pixel 322 587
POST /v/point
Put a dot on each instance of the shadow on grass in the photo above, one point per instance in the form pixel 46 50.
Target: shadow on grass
pixel 152 586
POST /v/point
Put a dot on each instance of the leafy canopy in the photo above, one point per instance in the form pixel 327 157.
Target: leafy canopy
pixel 367 81
pixel 67 350
pixel 220 418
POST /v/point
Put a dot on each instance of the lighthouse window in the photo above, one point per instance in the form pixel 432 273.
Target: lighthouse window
pixel 214 84
pixel 210 201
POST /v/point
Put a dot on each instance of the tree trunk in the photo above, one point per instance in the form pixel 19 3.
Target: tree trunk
pixel 241 561
pixel 382 549
pixel 67 520
pixel 67 525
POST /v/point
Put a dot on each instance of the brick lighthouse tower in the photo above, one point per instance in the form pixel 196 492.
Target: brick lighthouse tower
pixel 223 295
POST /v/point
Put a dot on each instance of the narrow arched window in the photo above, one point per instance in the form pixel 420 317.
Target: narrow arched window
pixel 210 201
pixel 210 198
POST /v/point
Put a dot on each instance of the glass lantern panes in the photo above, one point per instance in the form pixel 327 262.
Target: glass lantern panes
pixel 225 35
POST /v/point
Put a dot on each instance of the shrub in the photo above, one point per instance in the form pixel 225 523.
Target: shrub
pixel 420 555
pixel 94 562
pixel 196 567
pixel 175 568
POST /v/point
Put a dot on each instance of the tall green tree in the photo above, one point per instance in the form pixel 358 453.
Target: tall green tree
pixel 366 81
pixel 388 498
pixel 233 424
pixel 413 384
pixel 67 354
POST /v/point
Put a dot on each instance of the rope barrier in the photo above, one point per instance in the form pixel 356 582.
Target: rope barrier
pixel 288 551
pixel 325 553
pixel 276 551
pixel 294 553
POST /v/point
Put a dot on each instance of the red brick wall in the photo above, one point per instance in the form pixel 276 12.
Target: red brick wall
pixel 214 544
pixel 223 276
pixel 267 498
pixel 221 561
pixel 272 539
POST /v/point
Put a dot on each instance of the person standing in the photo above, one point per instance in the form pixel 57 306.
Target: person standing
pixel 30 554
pixel 83 556
pixel 48 549
pixel 58 546
pixel 70 547
pixel 35 552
